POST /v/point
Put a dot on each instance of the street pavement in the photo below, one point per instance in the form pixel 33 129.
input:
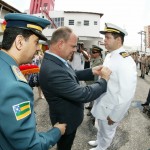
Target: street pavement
pixel 133 133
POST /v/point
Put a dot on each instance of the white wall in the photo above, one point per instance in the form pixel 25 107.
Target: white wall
pixel 82 30
pixel 89 35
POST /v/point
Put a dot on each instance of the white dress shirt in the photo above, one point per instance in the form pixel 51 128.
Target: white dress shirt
pixel 78 61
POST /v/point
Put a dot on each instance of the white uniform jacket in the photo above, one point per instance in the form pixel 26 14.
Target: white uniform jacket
pixel 120 89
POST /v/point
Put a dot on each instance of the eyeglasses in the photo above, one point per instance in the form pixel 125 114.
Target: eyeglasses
pixel 94 52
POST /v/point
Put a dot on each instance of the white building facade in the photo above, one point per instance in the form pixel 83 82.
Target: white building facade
pixel 86 25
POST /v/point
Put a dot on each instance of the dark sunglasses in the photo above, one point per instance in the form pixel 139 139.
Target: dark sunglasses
pixel 94 52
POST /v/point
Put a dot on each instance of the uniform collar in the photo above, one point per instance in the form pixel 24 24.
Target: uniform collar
pixel 117 51
pixel 7 58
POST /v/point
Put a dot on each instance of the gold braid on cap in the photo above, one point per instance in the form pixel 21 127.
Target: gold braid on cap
pixel 34 27
pixel 111 30
pixel 95 48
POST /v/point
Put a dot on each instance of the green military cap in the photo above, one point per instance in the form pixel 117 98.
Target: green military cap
pixel 96 48
pixel 29 22
pixel 111 28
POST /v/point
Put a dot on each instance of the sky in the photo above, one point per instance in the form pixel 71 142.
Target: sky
pixel 131 15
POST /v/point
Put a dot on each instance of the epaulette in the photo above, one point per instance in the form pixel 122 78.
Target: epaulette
pixel 124 54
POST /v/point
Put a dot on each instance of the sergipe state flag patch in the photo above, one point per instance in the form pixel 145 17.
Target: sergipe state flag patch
pixel 22 110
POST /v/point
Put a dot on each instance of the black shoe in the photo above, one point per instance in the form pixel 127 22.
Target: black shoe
pixel 88 107
pixel 145 104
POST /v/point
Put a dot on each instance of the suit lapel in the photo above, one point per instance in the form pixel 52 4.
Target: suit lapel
pixel 70 71
pixel 60 63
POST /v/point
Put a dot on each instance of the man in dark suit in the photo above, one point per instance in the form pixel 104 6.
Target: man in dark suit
pixel 60 84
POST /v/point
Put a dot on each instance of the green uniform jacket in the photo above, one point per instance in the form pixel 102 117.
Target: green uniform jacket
pixel 95 62
pixel 17 118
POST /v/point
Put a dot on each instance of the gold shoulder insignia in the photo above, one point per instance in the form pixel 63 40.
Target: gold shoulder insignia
pixel 18 74
pixel 124 54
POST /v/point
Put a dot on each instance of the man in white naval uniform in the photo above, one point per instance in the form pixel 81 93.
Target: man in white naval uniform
pixel 110 108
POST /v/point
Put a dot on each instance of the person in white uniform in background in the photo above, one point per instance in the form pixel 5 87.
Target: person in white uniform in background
pixel 78 59
pixel 110 108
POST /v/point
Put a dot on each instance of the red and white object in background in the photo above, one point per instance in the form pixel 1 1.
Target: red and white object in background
pixel 2 24
pixel 29 69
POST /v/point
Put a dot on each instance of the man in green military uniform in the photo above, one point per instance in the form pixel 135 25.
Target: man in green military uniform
pixel 18 125
pixel 96 59
pixel 143 65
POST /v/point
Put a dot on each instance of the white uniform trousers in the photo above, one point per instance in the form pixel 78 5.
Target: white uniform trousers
pixel 105 134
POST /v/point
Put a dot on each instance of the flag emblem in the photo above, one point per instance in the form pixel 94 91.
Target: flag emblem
pixel 22 110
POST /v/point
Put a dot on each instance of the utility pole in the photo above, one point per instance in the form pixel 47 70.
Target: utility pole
pixel 145 40
pixel 141 39
pixel 143 33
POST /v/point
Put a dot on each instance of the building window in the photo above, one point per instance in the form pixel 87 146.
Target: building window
pixel 95 22
pixel 57 21
pixel 45 6
pixel 86 22
pixel 78 23
pixel 71 22
pixel 62 21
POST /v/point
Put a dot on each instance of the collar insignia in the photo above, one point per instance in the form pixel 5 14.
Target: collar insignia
pixel 18 74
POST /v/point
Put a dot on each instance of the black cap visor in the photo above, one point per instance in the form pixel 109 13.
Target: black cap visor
pixel 36 32
pixel 39 34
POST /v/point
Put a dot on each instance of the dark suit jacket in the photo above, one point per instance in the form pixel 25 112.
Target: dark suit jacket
pixel 63 93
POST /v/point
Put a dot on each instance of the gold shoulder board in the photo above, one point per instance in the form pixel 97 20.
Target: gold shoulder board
pixel 124 54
